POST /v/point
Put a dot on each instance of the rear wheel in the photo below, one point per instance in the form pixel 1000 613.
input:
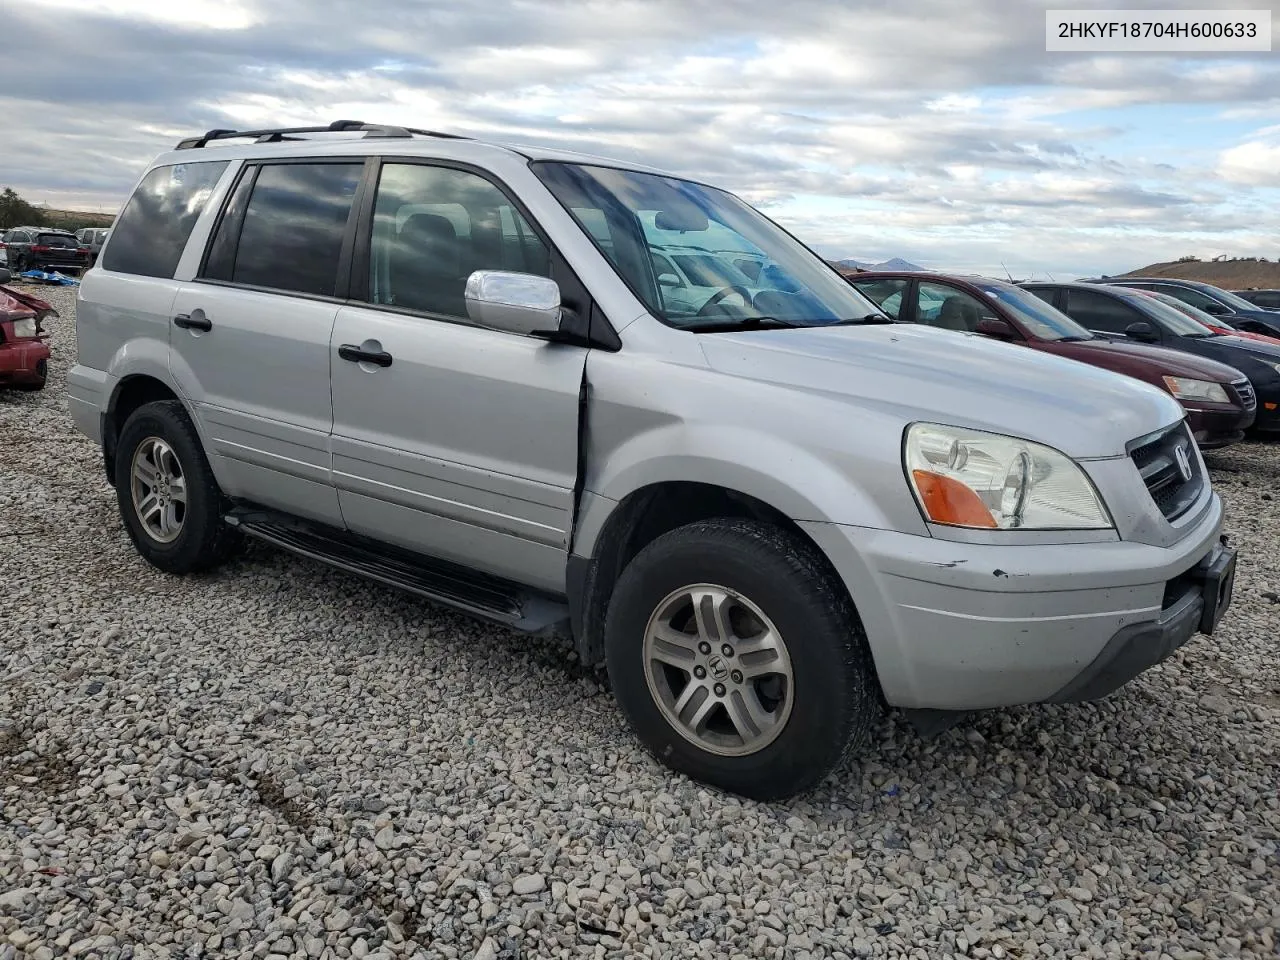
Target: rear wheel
pixel 738 659
pixel 167 494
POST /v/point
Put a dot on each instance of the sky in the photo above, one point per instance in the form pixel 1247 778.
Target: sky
pixel 940 131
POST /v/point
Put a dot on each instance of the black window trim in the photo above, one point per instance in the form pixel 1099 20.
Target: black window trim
pixel 251 168
pixel 593 328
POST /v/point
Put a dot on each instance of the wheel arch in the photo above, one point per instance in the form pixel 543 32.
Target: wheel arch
pixel 623 528
pixel 130 392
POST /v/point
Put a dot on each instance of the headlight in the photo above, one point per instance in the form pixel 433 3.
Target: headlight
pixel 1186 389
pixel 968 478
pixel 24 328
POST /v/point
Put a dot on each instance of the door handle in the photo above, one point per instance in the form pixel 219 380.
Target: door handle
pixel 349 351
pixel 188 322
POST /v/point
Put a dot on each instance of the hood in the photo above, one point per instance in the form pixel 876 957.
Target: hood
pixel 923 373
pixel 1261 313
pixel 15 305
pixel 1161 360
pixel 1259 348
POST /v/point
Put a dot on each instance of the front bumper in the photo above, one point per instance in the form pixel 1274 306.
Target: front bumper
pixel 1218 425
pixel 962 626
pixel 22 362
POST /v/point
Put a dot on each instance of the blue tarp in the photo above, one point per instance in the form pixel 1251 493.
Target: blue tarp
pixel 55 278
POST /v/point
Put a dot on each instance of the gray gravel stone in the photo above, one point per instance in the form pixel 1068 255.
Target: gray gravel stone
pixel 276 759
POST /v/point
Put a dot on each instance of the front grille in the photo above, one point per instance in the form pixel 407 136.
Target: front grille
pixel 1244 390
pixel 1163 459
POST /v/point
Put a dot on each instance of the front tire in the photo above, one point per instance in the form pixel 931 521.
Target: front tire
pixel 738 659
pixel 167 494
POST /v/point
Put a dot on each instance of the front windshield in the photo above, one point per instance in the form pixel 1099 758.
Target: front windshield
pixel 1170 319
pixel 731 265
pixel 1043 319
pixel 1231 300
pixel 1195 313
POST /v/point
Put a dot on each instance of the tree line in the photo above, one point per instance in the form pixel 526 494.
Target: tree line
pixel 16 212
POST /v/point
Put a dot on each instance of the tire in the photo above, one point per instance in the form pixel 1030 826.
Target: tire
pixel 756 569
pixel 42 376
pixel 202 539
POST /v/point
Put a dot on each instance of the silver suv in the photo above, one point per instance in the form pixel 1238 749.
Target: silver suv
pixel 450 366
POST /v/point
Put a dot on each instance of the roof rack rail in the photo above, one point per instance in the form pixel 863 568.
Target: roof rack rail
pixel 281 134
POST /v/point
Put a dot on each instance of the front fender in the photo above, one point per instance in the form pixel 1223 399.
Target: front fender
pixel 796 481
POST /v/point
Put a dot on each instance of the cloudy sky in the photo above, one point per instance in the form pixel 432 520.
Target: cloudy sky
pixel 936 130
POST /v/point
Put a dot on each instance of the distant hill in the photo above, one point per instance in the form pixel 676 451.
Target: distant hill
pixel 1228 274
pixel 897 263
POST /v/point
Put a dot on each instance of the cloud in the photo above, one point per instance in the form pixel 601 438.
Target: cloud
pixel 1256 163
pixel 956 136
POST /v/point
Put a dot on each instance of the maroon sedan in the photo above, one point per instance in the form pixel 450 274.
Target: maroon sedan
pixel 1219 400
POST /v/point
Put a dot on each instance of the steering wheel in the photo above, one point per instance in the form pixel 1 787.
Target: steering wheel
pixel 715 298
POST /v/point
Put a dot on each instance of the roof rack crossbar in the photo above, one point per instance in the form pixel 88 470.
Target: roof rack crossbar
pixel 280 134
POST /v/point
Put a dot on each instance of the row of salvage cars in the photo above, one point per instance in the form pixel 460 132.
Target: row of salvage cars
pixel 1216 353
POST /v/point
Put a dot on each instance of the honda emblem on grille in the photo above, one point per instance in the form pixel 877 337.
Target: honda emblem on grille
pixel 1184 462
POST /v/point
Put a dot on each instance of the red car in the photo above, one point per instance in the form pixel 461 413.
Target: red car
pixel 24 354
pixel 1218 398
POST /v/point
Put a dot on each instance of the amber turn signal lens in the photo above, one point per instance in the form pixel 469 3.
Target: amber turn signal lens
pixel 950 501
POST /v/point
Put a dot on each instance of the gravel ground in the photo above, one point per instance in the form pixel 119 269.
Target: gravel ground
pixel 282 761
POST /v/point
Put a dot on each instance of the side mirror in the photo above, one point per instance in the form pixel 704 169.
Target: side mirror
pixel 520 303
pixel 995 327
pixel 5 275
pixel 1142 331
pixel 1217 309
pixel 670 280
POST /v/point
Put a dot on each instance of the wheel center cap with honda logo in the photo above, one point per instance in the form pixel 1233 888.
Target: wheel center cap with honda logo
pixel 719 669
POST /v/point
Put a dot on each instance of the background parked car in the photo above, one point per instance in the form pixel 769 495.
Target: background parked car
pixel 1216 324
pixel 1270 299
pixel 1120 312
pixel 93 238
pixel 1240 313
pixel 1218 398
pixel 24 354
pixel 37 248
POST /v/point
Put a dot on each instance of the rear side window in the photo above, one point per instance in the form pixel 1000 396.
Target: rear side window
pixel 885 294
pixel 153 229
pixel 291 227
pixel 1097 311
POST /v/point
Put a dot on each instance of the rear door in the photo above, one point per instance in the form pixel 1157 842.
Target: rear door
pixel 251 344
pixel 465 446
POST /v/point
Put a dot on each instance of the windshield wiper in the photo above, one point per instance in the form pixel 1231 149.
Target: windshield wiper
pixel 746 323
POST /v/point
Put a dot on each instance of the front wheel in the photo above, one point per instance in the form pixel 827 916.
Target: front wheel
pixel 738 659
pixel 168 497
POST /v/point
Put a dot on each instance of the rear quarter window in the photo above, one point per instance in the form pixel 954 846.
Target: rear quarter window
pixel 150 234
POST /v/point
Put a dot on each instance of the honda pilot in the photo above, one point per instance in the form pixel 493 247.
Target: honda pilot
pixel 450 366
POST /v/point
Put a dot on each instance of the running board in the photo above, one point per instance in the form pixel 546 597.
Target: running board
pixel 479 594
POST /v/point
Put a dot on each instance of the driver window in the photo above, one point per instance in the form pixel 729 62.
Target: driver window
pixel 942 306
pixel 433 227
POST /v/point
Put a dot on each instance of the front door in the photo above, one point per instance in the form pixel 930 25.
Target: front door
pixel 464 445
pixel 251 348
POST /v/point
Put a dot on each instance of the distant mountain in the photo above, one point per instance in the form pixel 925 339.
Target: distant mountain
pixel 897 263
